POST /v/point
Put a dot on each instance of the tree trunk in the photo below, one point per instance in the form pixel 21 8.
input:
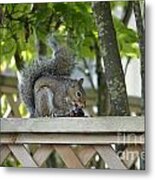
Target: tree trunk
pixel 141 33
pixel 112 61
pixel 102 91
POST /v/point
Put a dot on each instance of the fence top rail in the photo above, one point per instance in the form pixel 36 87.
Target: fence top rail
pixel 73 125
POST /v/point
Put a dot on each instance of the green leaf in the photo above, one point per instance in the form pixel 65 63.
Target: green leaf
pixel 127 39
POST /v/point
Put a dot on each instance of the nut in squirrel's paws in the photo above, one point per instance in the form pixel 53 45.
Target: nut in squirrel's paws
pixel 77 112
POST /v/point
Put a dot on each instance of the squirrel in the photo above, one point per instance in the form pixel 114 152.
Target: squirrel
pixel 46 88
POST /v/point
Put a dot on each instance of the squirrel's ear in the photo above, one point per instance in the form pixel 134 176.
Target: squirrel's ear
pixel 81 81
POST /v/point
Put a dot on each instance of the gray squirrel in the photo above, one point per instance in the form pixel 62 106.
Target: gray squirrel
pixel 46 88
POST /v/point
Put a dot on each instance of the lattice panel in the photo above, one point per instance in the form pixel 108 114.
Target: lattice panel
pixel 13 111
pixel 72 157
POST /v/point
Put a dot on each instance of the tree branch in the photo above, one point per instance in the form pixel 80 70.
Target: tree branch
pixel 89 74
pixel 127 13
pixel 141 33
pixel 127 64
pixel 125 19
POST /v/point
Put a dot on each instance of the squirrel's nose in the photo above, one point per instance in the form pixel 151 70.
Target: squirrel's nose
pixel 81 104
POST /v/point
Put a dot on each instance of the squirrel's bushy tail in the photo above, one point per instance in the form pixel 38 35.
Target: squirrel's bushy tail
pixel 61 65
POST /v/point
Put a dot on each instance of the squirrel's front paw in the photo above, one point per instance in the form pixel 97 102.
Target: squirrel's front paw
pixel 77 112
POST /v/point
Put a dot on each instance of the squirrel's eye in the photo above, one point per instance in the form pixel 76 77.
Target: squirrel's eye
pixel 78 93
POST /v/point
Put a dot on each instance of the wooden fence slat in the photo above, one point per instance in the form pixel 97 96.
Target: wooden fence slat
pixel 4 152
pixel 8 80
pixel 8 113
pixel 130 155
pixel 22 155
pixel 42 154
pixel 110 157
pixel 8 89
pixel 85 154
pixel 78 125
pixel 28 138
pixel 14 105
pixel 58 133
pixel 68 156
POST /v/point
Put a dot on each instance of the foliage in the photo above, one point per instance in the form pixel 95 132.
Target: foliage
pixel 23 25
pixel 127 40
